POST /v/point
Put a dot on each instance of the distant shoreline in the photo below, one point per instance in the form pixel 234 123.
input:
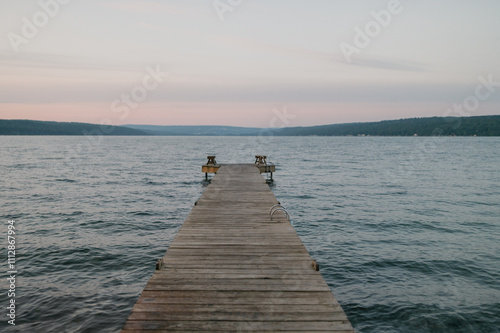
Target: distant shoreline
pixel 432 126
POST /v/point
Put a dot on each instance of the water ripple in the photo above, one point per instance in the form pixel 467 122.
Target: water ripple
pixel 405 247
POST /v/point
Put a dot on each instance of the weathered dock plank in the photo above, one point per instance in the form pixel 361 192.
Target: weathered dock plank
pixel 232 268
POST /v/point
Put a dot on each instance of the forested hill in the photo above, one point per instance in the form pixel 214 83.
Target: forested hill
pixel 466 126
pixel 34 127
pixel 460 126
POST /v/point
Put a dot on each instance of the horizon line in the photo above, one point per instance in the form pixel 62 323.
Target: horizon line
pixel 355 122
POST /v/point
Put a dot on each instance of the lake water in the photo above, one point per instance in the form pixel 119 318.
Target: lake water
pixel 406 230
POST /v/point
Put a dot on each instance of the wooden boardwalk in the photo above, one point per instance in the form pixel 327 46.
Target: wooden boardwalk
pixel 230 268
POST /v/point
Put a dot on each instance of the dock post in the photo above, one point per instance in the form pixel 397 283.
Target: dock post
pixel 210 167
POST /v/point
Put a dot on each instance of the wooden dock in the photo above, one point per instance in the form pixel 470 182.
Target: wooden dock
pixel 231 268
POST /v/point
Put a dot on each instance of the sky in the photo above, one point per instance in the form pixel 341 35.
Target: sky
pixel 259 63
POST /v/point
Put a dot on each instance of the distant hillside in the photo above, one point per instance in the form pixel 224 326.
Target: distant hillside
pixel 197 130
pixel 460 126
pixel 34 127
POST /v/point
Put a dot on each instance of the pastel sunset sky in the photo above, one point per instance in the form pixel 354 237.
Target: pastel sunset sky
pixel 239 62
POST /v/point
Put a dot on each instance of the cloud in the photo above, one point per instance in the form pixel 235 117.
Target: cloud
pixel 31 60
pixel 59 91
pixel 254 44
pixel 364 60
pixel 320 93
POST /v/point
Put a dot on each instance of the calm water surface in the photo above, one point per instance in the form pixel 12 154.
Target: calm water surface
pixel 407 230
